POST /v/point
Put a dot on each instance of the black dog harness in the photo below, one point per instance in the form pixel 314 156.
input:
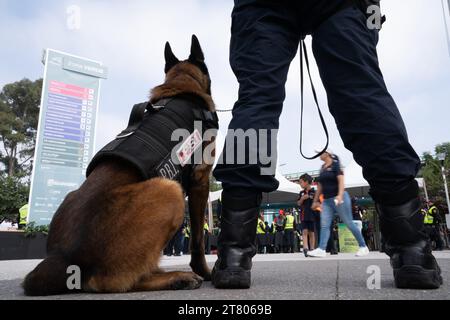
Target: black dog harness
pixel 147 141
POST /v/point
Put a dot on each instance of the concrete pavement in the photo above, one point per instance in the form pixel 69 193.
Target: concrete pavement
pixel 274 277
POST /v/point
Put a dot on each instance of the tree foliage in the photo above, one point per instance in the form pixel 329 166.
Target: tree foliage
pixel 19 116
pixel 432 172
pixel 13 195
pixel 213 184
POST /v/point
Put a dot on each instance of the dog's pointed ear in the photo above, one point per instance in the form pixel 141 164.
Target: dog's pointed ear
pixel 196 50
pixel 171 60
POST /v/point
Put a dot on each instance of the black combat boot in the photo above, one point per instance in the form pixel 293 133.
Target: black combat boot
pixel 236 242
pixel 408 246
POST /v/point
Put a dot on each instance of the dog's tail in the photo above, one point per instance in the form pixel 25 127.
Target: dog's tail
pixel 48 278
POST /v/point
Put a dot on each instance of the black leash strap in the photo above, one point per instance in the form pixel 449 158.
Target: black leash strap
pixel 303 50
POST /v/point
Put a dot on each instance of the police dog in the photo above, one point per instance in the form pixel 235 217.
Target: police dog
pixel 115 226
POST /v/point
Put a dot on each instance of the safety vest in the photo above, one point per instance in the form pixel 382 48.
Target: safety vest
pixel 274 228
pixel 23 214
pixel 259 229
pixel 187 232
pixel 289 222
pixel 147 142
pixel 429 217
pixel 206 227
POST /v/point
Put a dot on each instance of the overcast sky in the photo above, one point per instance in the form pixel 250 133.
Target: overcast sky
pixel 129 37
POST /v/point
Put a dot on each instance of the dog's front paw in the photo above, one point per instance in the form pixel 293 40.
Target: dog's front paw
pixel 206 275
pixel 187 281
pixel 201 269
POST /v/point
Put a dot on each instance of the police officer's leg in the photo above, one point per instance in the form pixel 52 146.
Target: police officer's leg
pixel 186 245
pixel 169 248
pixel 294 241
pixel 430 233
pixel 372 128
pixel 287 234
pixel 178 242
pixel 263 43
pixel 271 243
pixel 207 243
pixel 437 237
pixel 258 243
pixel 265 243
pixel 287 240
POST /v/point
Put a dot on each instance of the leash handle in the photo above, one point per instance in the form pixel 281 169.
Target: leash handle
pixel 136 117
pixel 304 50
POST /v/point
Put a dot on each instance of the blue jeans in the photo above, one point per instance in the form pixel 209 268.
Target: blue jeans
pixel 344 210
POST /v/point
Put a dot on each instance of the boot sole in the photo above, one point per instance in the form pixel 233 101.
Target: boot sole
pixel 232 279
pixel 417 277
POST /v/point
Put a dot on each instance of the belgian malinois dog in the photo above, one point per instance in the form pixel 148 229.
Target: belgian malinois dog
pixel 115 226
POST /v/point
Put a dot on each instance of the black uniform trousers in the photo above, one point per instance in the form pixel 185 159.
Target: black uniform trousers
pixel 264 40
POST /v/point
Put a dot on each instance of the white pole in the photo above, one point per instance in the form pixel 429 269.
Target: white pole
pixel 445 23
pixel 426 191
pixel 446 196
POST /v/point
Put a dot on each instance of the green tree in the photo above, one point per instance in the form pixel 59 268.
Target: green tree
pixel 19 116
pixel 13 195
pixel 444 148
pixel 432 174
pixel 213 184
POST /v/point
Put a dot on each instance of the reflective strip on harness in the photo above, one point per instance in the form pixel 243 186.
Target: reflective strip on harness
pixel 167 169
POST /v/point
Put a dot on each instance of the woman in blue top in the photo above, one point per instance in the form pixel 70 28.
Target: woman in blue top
pixel 336 200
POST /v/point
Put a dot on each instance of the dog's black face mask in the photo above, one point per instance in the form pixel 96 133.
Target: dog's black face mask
pixel 196 58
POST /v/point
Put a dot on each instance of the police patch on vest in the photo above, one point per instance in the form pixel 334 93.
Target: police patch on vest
pixel 187 149
pixel 167 169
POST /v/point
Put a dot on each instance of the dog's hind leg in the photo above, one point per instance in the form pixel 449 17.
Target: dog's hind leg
pixel 176 280
pixel 139 222
pixel 198 197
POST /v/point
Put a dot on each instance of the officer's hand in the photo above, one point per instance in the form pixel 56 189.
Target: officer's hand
pixel 339 199
pixel 315 205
